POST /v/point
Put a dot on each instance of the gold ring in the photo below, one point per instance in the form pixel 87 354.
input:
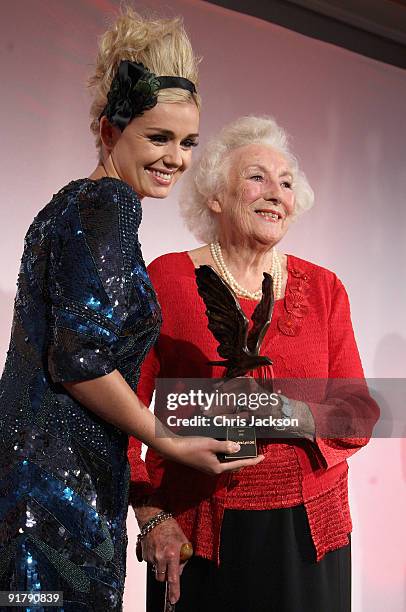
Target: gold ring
pixel 186 551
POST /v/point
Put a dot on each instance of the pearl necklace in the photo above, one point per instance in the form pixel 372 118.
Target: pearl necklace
pixel 275 272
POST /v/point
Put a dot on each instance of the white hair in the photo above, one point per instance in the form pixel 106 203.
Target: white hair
pixel 208 175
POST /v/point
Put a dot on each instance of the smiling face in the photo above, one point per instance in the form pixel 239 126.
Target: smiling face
pixel 257 203
pixel 154 149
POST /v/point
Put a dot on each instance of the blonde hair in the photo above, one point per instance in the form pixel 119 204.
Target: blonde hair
pixel 162 45
pixel 208 176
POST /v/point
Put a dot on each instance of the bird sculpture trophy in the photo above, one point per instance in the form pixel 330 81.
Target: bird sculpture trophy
pixel 238 345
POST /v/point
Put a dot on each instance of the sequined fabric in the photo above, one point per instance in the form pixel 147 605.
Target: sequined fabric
pixel 84 307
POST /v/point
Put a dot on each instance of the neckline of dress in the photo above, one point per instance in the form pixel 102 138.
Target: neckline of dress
pixel 245 299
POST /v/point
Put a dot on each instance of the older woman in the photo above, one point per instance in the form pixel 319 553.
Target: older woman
pixel 85 316
pixel 274 536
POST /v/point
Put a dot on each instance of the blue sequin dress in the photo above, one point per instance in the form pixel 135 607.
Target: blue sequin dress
pixel 84 307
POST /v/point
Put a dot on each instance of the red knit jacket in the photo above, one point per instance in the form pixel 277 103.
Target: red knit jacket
pixel 310 337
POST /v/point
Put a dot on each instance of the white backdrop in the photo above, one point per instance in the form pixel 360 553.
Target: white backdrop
pixel 346 116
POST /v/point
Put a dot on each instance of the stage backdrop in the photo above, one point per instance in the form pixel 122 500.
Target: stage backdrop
pixel 346 117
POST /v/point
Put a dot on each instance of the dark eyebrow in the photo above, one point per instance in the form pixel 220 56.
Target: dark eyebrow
pixel 169 133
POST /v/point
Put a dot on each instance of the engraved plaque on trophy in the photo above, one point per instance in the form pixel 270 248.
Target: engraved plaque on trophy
pixel 238 346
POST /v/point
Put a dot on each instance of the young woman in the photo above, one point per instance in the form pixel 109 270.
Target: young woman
pixel 85 317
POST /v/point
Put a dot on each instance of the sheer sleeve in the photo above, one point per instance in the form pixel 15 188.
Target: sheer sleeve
pixel 91 284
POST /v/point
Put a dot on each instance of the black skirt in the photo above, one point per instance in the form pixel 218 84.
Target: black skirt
pixel 267 564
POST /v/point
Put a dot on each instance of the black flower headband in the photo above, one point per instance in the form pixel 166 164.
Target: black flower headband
pixel 134 90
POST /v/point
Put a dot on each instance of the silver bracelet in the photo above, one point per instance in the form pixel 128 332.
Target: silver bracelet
pixel 153 522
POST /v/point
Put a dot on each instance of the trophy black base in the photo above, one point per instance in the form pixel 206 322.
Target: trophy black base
pixel 246 438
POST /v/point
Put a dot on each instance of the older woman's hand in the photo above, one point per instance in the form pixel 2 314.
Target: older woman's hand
pixel 161 547
pixel 272 407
